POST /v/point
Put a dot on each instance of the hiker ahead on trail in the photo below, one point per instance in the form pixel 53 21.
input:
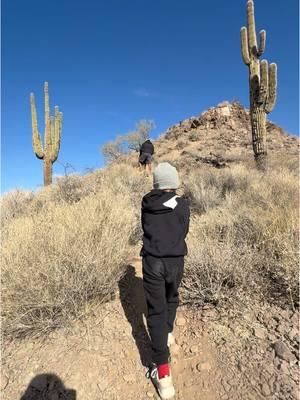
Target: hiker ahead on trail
pixel 146 153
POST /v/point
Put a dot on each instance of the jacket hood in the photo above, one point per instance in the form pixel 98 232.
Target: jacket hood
pixel 155 201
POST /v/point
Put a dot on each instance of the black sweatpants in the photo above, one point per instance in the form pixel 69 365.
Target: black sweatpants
pixel 161 278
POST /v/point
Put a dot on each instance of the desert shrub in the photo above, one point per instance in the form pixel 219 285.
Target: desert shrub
pixel 207 188
pixel 68 247
pixel 193 136
pixel 125 179
pixel 118 148
pixel 136 138
pixel 14 204
pixel 202 197
pixel 68 189
pixel 112 150
pixel 71 188
pixel 246 241
pixel 181 144
pixel 215 267
pixel 54 262
pixel 279 162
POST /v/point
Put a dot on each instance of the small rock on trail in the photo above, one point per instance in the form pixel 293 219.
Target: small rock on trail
pixel 283 352
pixel 204 366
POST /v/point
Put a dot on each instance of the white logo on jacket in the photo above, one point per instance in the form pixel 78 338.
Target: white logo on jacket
pixel 171 203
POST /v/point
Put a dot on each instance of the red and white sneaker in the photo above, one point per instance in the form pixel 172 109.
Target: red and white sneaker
pixel 164 385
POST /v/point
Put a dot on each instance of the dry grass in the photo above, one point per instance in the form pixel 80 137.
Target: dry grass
pixel 243 236
pixel 14 204
pixel 68 245
pixel 207 187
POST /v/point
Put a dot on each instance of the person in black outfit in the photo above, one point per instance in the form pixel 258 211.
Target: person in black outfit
pixel 165 223
pixel 146 153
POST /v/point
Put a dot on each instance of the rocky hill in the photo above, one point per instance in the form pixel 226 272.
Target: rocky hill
pixel 220 136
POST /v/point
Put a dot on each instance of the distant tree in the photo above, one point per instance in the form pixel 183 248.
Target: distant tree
pixel 136 138
pixel 131 141
pixel 114 149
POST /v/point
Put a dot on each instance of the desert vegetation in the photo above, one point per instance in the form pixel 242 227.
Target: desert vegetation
pixel 263 85
pixel 53 126
pixel 64 246
pixel 69 243
pixel 131 141
pixel 243 241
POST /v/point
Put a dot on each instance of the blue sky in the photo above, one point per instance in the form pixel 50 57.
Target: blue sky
pixel 112 63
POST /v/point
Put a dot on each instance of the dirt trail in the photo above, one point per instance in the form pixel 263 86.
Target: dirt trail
pixel 105 356
pixel 226 354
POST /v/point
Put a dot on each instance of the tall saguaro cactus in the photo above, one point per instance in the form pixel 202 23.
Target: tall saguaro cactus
pixel 262 84
pixel 52 135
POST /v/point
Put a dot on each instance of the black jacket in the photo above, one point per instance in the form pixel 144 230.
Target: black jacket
pixel 165 222
pixel 147 147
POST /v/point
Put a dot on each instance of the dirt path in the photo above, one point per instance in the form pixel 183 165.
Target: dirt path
pixel 104 357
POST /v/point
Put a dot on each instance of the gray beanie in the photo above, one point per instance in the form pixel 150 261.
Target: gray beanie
pixel 165 177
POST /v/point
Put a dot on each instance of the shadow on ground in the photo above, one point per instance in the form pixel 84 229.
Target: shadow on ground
pixel 47 387
pixel 134 305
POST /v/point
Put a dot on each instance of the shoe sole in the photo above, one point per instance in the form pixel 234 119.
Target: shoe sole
pixel 168 395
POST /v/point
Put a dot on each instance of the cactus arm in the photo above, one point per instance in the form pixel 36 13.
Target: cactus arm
pixel 47 136
pixel 272 95
pixel 47 107
pixel 52 130
pixel 264 82
pixel 262 42
pixel 60 121
pixel 251 28
pixel 57 135
pixel 244 45
pixel 36 137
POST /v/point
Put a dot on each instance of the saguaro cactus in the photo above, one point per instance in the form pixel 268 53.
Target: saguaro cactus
pixel 262 84
pixel 53 125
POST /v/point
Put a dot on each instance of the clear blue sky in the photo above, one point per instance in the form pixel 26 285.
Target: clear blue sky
pixel 111 63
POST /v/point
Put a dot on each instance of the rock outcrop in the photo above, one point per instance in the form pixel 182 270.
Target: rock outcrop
pixel 221 134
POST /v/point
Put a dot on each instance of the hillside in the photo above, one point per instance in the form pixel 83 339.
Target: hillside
pixel 73 306
pixel 221 136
